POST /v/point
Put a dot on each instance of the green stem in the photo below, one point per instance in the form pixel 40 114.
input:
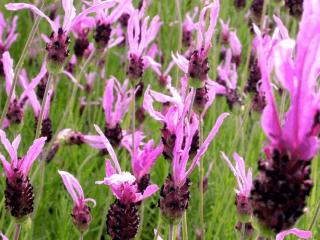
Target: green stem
pixel 243 231
pixel 178 8
pixel 19 65
pixel 141 221
pixel 171 232
pixel 44 100
pixel 201 201
pixel 81 236
pixel 315 217
pixel 18 231
pixel 185 226
pixel 264 10
pixel 157 231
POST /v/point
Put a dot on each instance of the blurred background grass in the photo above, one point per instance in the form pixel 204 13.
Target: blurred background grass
pixel 240 133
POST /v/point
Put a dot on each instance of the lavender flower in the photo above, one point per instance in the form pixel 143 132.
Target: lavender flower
pixel 103 32
pixel 244 181
pixel 175 193
pixel 46 128
pixel 281 189
pixel 81 31
pixel 16 106
pixel 81 213
pixel 125 188
pixel 10 37
pixel 170 118
pixel 139 37
pixel 115 109
pixel 197 65
pixel 19 191
pixel 57 48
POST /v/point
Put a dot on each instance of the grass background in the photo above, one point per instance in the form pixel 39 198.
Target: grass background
pixel 240 133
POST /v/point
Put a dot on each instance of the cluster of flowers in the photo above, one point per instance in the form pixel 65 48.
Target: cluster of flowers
pixel 276 198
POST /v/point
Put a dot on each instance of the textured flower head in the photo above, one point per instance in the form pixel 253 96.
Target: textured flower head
pixel 122 184
pixel 74 189
pixel 244 179
pixel 16 107
pixel 23 164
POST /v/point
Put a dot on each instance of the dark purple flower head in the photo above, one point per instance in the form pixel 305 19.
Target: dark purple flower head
pixel 19 191
pixel 16 106
pixel 81 213
pixel 140 35
pixel 283 184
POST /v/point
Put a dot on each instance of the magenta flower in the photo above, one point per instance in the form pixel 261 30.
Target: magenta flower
pixel 19 165
pixel 225 31
pixel 19 191
pixel 123 184
pixel 292 141
pixel 140 35
pixel 142 160
pixel 244 181
pixel 115 108
pixel 81 213
pixel 188 27
pixel 81 31
pixel 125 188
pixel 10 37
pixel 16 107
pixel 57 48
pixel 175 193
pixel 104 35
pixel 294 231
pixel 9 30
pixel 196 66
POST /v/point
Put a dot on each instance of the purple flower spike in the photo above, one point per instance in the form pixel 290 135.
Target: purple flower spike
pixel 16 107
pixel 285 173
pixel 244 181
pixel 57 48
pixel 294 231
pixel 115 108
pixel 19 191
pixel 125 188
pixel 139 38
pixel 81 213
pixel 104 35
pixel 175 193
